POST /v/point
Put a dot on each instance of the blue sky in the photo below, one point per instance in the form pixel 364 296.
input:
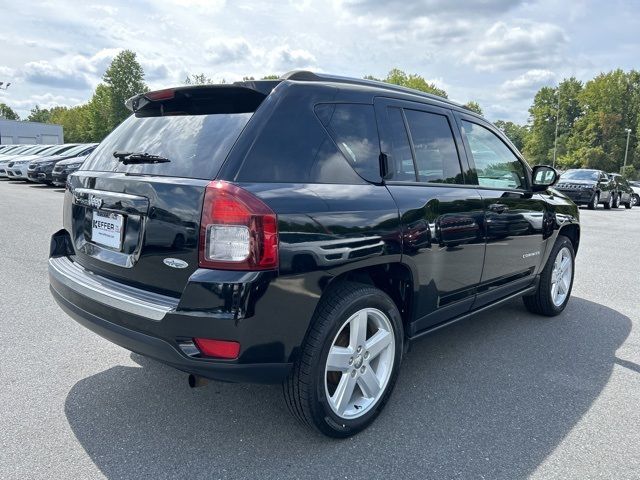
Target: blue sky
pixel 497 52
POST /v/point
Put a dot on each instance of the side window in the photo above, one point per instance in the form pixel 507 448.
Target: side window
pixel 496 165
pixel 354 130
pixel 403 167
pixel 436 156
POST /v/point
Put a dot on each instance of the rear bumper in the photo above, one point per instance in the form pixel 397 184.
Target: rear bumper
pixel 164 352
pixel 267 314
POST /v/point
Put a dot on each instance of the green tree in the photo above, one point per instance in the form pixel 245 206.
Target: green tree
pixel 98 113
pixel 74 121
pixel 473 106
pixel 7 112
pixel 197 79
pixel 271 77
pixel 125 78
pixel 609 105
pixel 516 133
pixel 38 114
pixel 412 80
pixel 538 147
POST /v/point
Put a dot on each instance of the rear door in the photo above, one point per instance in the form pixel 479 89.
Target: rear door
pixel 441 212
pixel 514 215
pixel 129 221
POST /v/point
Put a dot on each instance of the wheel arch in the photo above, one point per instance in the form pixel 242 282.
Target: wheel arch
pixel 572 232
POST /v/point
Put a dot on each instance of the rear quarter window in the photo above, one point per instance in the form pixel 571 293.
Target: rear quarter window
pixel 354 130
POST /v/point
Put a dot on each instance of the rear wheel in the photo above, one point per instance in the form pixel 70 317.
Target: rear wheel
pixel 349 362
pixel 609 203
pixel 556 281
pixel 593 204
pixel 635 200
pixel 616 201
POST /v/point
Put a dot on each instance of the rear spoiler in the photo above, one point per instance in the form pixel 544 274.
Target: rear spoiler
pixel 237 97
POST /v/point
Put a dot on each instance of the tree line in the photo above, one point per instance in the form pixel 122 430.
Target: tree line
pixel 592 118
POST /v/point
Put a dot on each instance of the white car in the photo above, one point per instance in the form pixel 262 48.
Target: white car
pixel 15 153
pixel 635 186
pixel 17 168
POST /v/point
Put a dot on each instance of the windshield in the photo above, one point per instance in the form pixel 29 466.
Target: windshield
pixel 195 145
pixel 580 175
pixel 77 150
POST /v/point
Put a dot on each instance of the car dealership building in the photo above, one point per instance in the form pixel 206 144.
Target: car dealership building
pixel 13 131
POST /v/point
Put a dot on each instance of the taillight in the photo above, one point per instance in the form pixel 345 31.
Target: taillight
pixel 237 230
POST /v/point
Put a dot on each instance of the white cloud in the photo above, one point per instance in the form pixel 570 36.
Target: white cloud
pixel 523 45
pixel 227 50
pixel 527 84
pixel 45 73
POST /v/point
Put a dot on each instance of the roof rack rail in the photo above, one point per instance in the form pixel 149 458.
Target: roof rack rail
pixel 307 76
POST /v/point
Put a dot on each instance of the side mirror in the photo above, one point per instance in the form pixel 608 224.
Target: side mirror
pixel 543 177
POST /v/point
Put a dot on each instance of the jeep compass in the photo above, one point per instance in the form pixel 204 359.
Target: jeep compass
pixel 303 231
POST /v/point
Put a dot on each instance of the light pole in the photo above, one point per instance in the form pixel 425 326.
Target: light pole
pixel 626 150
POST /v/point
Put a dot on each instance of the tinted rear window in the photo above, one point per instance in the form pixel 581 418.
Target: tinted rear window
pixel 196 145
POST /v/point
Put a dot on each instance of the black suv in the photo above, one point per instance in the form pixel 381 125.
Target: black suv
pixel 588 187
pixel 303 231
pixel 623 191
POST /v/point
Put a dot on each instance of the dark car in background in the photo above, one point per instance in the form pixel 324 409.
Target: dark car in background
pixel 41 169
pixel 587 187
pixel 304 231
pixel 623 191
pixel 64 168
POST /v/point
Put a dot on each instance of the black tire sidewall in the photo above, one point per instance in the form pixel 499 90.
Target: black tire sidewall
pixel 346 427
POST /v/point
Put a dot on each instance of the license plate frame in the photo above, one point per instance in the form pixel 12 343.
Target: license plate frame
pixel 107 229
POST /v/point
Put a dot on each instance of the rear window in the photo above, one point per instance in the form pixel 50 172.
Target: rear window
pixel 196 145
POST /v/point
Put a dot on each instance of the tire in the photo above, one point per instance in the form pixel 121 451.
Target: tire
pixel 635 200
pixel 609 204
pixel 629 204
pixel 307 390
pixel 616 201
pixel 543 301
pixel 593 204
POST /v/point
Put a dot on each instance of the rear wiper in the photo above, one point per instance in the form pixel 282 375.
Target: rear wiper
pixel 131 158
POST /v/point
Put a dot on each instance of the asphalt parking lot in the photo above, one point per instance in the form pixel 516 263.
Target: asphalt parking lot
pixel 504 394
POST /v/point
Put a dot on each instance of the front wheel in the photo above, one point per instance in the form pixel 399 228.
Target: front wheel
pixel 556 281
pixel 635 200
pixel 593 204
pixel 349 361
pixel 630 203
pixel 609 203
pixel 616 201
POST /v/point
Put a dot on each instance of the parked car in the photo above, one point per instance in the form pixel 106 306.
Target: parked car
pixel 587 187
pixel 20 152
pixel 623 191
pixel 63 168
pixel 635 198
pixel 17 169
pixel 413 178
pixel 41 169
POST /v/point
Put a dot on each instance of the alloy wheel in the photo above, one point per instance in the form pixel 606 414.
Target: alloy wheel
pixel 360 363
pixel 561 277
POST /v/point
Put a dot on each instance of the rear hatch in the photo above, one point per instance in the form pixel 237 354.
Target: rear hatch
pixel 135 216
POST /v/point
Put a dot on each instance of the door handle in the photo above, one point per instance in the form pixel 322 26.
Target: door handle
pixel 498 208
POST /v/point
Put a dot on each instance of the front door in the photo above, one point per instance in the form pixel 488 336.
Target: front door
pixel 442 215
pixel 515 216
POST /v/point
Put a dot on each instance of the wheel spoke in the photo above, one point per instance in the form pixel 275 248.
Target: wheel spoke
pixel 343 393
pixel 565 284
pixel 378 343
pixel 338 360
pixel 565 264
pixel 358 330
pixel 368 383
pixel 554 290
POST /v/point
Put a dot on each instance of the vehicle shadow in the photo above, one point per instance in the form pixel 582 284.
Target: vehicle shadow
pixel 490 397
